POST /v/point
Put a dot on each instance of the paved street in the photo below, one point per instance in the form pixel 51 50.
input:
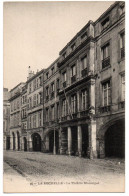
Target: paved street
pixel 38 171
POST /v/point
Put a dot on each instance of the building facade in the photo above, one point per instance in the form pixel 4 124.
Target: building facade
pixel 6 120
pixel 15 117
pixel 77 105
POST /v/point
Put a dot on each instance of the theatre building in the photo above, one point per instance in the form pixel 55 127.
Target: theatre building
pixel 77 95
pixel 35 111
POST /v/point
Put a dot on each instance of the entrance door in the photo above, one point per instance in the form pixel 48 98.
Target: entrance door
pixel 36 142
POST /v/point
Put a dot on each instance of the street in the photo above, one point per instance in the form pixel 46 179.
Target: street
pixel 40 172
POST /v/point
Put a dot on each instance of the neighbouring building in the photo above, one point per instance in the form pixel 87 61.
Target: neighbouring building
pixel 77 105
pixel 35 111
pixel 15 117
pixel 6 120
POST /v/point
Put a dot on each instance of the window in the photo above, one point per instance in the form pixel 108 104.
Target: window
pixel 34 100
pixel 30 102
pixel 47 75
pixel 57 112
pixel 64 112
pixel 73 70
pixel 40 80
pixel 74 103
pixel 105 23
pixel 41 97
pixel 34 120
pixel 64 77
pixel 52 69
pixel 84 36
pixel 73 46
pixel 84 62
pixel 47 114
pixel 84 100
pixel 105 55
pixel 122 45
pixel 58 83
pixel 47 92
pixel 37 82
pixel 34 84
pixel 40 119
pixel 106 93
pixel 52 113
pixel 123 87
pixel 52 87
pixel 37 99
pixel 30 88
pixel 17 104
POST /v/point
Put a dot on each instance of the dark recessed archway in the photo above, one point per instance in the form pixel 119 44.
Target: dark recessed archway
pixel 36 142
pixel 51 141
pixel 25 143
pixel 115 140
pixel 18 140
pixel 85 140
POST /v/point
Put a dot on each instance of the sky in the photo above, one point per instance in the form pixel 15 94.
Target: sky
pixel 35 32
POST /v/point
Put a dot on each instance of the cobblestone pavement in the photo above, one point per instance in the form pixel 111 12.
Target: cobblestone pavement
pixel 38 168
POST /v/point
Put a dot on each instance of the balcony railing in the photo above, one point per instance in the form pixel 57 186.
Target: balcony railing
pixel 64 84
pixel 83 113
pixel 64 118
pixel 105 62
pixel 105 109
pixel 122 52
pixel 73 79
pixel 84 72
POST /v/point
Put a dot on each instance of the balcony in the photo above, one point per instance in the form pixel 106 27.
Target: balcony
pixel 52 94
pixel 83 113
pixel 84 72
pixel 64 118
pixel 74 115
pixel 73 79
pixel 104 109
pixel 122 52
pixel 64 84
pixel 105 62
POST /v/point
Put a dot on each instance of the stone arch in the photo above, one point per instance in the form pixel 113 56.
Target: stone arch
pixel 49 145
pixel 36 142
pixel 108 130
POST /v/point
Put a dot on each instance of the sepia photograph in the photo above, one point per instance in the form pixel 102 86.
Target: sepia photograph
pixel 64 97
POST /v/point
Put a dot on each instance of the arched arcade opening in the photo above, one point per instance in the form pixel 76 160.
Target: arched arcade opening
pixel 115 140
pixel 36 142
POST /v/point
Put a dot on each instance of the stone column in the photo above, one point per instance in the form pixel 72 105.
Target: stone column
pixel 69 141
pixel 79 141
pixel 47 143
pixel 30 146
pixel 92 139
pixel 11 143
pixel 16 142
pixel 63 141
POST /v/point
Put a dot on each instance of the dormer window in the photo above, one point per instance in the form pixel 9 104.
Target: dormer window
pixel 73 46
pixel 105 23
pixel 84 36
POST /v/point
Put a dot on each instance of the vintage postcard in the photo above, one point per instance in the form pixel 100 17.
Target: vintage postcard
pixel 64 96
